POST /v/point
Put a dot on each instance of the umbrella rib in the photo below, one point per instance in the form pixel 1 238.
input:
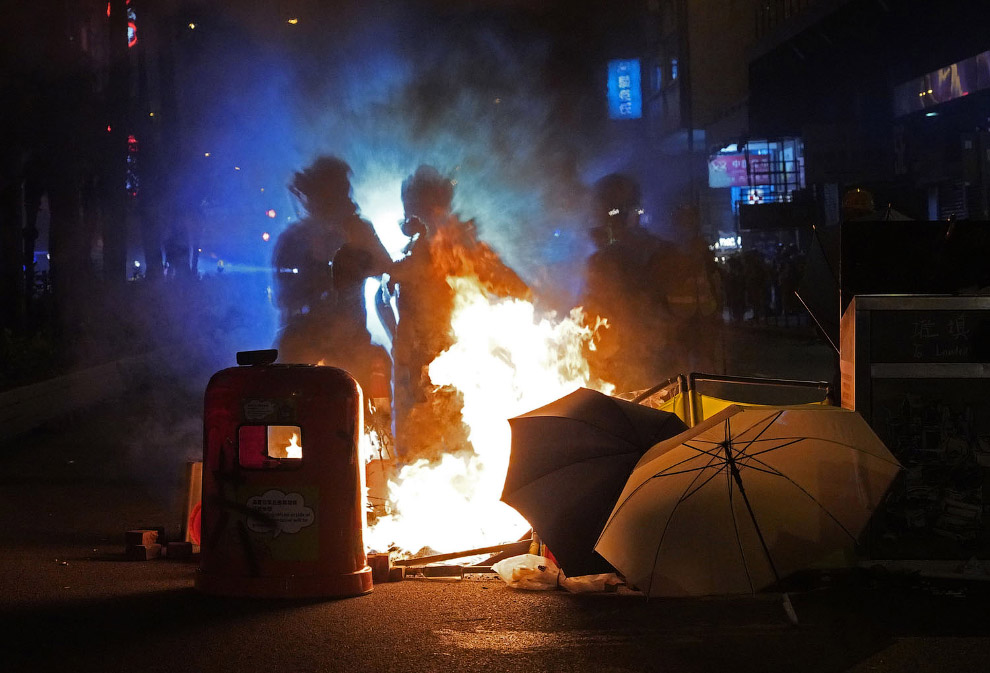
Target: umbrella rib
pixel 667 470
pixel 790 441
pixel 851 447
pixel 717 451
pixel 778 414
pixel 749 442
pixel 803 490
pixel 758 469
pixel 666 525
pixel 734 468
pixel 633 492
pixel 702 485
pixel 786 441
pixel 735 528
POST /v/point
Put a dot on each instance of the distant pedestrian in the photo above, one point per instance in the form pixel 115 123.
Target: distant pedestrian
pixel 176 252
pixel 734 287
pixel 789 266
pixel 756 274
pixel 692 298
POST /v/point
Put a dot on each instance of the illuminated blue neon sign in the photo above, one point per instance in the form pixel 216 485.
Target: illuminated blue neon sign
pixel 625 96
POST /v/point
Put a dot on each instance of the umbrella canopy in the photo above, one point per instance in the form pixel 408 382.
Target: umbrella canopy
pixel 745 498
pixel 569 460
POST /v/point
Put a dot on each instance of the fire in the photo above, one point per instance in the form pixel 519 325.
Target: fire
pixel 506 360
pixel 293 450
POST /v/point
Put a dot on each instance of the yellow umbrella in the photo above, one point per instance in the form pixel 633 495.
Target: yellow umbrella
pixel 745 498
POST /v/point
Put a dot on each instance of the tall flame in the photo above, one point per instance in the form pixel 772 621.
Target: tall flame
pixel 505 360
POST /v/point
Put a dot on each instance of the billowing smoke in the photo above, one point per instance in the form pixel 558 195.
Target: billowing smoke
pixel 491 98
pixel 477 96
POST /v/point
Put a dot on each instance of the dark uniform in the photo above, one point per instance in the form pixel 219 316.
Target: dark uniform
pixel 428 417
pixel 620 288
pixel 321 264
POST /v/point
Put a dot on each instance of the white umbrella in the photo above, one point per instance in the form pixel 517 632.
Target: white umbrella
pixel 745 498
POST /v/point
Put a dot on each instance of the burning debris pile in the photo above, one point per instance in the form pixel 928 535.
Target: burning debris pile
pixel 500 428
pixel 504 361
pixel 468 351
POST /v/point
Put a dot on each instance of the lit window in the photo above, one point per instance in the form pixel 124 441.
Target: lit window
pixel 673 68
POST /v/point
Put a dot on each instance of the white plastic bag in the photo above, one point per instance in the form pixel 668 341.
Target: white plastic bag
pixel 528 571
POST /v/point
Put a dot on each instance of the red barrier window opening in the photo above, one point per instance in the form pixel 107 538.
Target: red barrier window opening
pixel 268 446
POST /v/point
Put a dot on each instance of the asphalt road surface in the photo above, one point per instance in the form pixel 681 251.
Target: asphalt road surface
pixel 70 602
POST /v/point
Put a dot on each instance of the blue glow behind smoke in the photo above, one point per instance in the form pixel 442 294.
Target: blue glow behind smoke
pixel 386 96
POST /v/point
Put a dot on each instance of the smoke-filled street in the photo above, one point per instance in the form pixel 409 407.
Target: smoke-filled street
pixel 72 601
pixel 495 336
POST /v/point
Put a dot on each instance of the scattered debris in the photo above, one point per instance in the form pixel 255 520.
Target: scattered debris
pixel 143 552
pixel 440 571
pixel 520 547
pixel 380 567
pixel 529 571
pixel 143 536
pixel 144 544
pixel 608 582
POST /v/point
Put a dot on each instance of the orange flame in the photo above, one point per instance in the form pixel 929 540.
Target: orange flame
pixel 505 360
pixel 293 450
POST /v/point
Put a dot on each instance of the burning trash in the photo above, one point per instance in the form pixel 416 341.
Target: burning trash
pixel 504 361
pixel 469 350
pixel 283 500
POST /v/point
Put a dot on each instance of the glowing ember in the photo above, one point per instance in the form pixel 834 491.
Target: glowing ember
pixel 505 361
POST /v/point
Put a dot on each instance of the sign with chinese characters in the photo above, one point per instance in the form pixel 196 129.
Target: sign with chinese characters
pixel 625 94
pixel 930 336
pixel 738 169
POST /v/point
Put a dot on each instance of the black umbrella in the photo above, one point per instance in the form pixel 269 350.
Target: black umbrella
pixel 569 461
